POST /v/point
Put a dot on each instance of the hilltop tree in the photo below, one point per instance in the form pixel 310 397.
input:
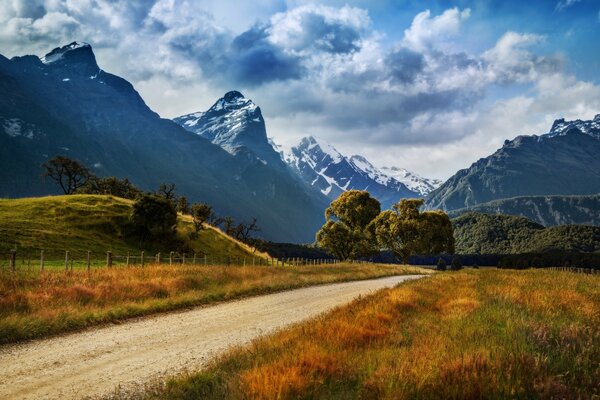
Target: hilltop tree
pixel 111 186
pixel 154 218
pixel 406 231
pixel 346 232
pixel 183 206
pixel 69 174
pixel 201 213
pixel 166 191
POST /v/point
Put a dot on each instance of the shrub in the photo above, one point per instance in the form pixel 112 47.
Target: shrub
pixel 154 218
pixel 456 264
pixel 441 264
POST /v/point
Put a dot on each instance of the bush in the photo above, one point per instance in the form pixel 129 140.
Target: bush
pixel 441 264
pixel 456 264
pixel 154 218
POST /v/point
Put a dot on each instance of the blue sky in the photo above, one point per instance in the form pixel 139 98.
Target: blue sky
pixel 426 85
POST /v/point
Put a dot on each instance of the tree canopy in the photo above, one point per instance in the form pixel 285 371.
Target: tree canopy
pixel 69 174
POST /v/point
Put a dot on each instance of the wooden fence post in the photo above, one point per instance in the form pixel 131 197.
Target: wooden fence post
pixel 88 261
pixel 171 258
pixel 12 261
pixel 142 259
pixel 205 259
pixel 194 262
pixel 127 260
pixel 42 260
pixel 109 259
pixel 66 260
pixel 158 258
pixel 183 259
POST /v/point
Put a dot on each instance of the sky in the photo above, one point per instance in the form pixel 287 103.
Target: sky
pixel 428 85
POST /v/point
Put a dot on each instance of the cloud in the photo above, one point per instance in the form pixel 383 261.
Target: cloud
pixel 425 31
pixel 564 4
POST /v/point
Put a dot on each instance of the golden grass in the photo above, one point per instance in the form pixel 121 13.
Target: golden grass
pixel 455 335
pixel 35 304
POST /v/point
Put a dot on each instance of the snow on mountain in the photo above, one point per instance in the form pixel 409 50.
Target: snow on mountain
pixel 322 166
pixel 413 181
pixel 561 127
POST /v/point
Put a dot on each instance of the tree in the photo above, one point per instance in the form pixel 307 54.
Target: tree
pixel 69 174
pixel 441 264
pixel 154 218
pixel 182 205
pixel 407 231
pixel 111 186
pixel 244 231
pixel 456 264
pixel 346 233
pixel 201 213
pixel 166 191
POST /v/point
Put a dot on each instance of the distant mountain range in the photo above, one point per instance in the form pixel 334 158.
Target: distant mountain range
pixel 63 103
pixel 545 210
pixel 236 124
pixel 562 162
pixel 322 166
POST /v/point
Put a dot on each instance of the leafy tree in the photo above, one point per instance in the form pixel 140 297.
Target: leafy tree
pixel 201 213
pixel 441 264
pixel 346 233
pixel 182 205
pixel 406 231
pixel 154 218
pixel 69 174
pixel 456 264
pixel 111 186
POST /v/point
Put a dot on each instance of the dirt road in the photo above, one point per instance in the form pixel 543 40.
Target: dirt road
pixel 94 362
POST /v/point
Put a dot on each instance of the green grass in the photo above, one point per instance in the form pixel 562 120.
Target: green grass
pixel 82 223
pixel 38 304
pixel 457 335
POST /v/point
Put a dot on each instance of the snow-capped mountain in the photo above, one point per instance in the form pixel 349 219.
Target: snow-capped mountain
pixel 561 127
pixel 414 182
pixel 325 168
pixel 235 123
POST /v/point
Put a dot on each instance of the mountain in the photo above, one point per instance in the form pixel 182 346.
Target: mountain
pixel 414 182
pixel 544 210
pixel 63 103
pixel 562 162
pixel 478 233
pixel 323 167
pixel 236 124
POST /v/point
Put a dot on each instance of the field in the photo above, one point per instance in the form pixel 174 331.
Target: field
pixel 36 304
pixel 468 334
pixel 82 223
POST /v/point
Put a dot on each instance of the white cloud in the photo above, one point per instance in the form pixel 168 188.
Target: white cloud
pixel 564 4
pixel 426 31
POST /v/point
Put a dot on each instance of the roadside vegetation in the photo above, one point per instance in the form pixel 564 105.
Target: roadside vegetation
pixel 37 304
pixel 469 334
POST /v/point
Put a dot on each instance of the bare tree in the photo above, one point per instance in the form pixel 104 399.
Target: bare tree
pixel 166 191
pixel 69 174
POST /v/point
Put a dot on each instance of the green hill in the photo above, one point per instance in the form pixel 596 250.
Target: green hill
pixel 479 233
pixel 83 223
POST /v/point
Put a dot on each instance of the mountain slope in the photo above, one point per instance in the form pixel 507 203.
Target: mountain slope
pixel 65 104
pixel 323 167
pixel 563 162
pixel 82 223
pixel 545 210
pixel 478 233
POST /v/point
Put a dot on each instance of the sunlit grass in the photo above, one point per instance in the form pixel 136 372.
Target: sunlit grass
pixel 36 304
pixel 462 335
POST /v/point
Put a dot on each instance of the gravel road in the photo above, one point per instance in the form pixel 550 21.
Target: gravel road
pixel 95 362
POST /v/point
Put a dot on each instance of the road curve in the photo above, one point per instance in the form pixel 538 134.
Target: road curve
pixel 94 362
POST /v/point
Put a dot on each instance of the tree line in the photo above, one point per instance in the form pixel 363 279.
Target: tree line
pixel 154 214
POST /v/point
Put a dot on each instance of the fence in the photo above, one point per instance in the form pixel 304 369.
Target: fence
pixel 575 270
pixel 14 260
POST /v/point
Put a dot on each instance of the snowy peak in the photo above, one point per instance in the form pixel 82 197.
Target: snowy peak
pixel 322 166
pixel 76 57
pixel 561 127
pixel 415 182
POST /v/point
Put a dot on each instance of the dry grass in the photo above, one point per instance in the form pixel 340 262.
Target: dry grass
pixel 468 335
pixel 35 304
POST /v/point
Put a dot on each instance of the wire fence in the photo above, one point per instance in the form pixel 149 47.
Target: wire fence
pixel 576 270
pixel 71 260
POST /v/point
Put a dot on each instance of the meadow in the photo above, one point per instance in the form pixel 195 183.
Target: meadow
pixel 469 334
pixel 35 304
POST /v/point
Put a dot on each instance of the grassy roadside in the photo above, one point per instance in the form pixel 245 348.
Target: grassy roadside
pixel 469 334
pixel 38 304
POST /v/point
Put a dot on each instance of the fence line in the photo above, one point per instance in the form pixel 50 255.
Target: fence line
pixel 15 261
pixel 575 270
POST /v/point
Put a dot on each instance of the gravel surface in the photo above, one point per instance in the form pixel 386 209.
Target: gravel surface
pixel 95 362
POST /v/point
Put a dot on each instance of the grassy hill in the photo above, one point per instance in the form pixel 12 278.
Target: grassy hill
pixel 479 233
pixel 82 223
